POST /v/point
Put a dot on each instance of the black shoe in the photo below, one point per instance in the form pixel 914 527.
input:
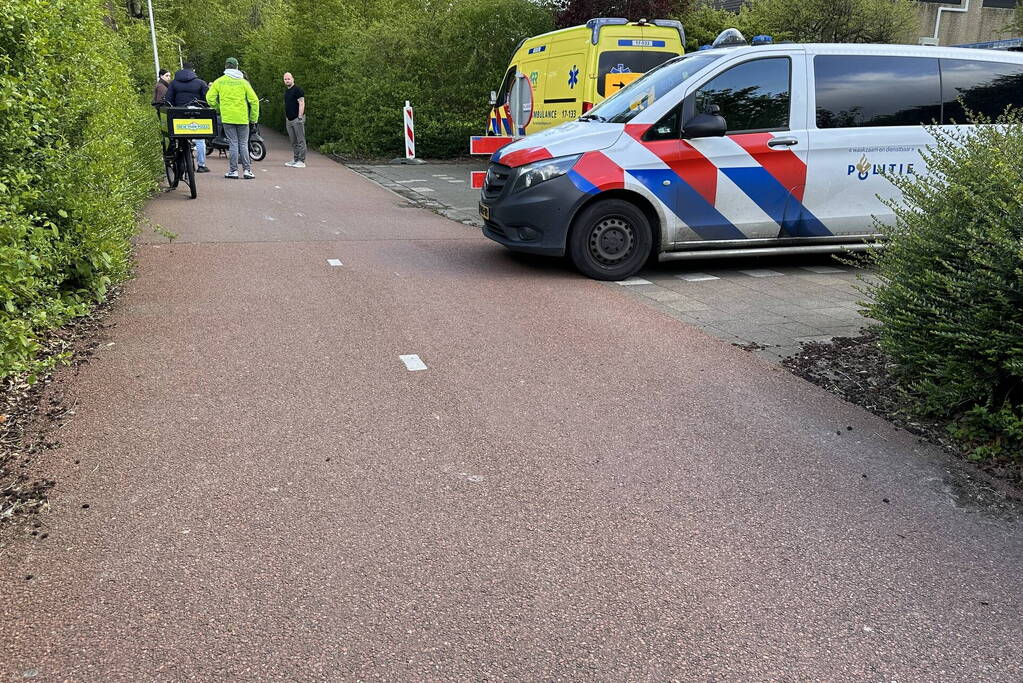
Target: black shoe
pixel 202 169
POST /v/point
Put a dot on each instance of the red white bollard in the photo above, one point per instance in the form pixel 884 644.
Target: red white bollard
pixel 410 136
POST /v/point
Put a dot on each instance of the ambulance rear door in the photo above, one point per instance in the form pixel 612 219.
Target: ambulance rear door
pixel 624 53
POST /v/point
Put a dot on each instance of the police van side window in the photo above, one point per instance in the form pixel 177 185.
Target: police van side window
pixel 856 91
pixel 986 87
pixel 752 97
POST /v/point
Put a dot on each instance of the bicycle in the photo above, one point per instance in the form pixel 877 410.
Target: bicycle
pixel 179 126
pixel 179 164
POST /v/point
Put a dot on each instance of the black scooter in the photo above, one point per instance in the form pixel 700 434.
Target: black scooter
pixel 257 148
pixel 219 142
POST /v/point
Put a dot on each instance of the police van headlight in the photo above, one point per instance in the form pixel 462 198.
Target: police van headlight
pixel 538 172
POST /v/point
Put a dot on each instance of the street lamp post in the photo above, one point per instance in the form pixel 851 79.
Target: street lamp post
pixel 152 33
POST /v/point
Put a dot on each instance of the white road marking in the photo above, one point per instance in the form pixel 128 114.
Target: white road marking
pixel 412 362
pixel 269 218
pixel 634 281
pixel 761 272
pixel 417 180
pixel 822 269
pixel 334 262
pixel 425 189
pixel 696 277
pixel 456 181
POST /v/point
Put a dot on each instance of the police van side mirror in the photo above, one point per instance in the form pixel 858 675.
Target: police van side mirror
pixel 493 98
pixel 705 126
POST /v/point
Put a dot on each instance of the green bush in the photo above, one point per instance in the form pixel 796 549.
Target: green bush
pixel 950 285
pixel 358 68
pixel 704 22
pixel 77 158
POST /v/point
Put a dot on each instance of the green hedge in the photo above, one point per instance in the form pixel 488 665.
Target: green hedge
pixel 357 70
pixel 77 158
pixel 950 290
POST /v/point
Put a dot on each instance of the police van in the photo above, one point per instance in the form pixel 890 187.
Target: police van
pixel 571 70
pixel 739 150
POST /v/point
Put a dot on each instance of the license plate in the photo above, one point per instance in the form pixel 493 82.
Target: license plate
pixel 485 212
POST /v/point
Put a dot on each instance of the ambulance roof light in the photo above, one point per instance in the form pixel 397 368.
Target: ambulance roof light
pixel 672 23
pixel 730 37
pixel 595 25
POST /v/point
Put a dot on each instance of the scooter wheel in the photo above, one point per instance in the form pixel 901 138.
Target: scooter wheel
pixel 257 150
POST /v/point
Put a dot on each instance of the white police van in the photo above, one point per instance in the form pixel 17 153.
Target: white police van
pixel 739 150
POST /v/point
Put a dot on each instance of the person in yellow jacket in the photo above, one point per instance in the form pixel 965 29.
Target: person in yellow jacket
pixel 238 105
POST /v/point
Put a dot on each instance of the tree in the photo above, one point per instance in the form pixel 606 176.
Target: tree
pixel 575 12
pixel 703 23
pixel 832 21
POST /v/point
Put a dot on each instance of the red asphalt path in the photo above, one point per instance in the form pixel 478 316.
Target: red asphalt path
pixel 578 487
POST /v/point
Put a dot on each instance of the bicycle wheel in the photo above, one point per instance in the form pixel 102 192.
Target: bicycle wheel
pixel 168 161
pixel 179 165
pixel 189 168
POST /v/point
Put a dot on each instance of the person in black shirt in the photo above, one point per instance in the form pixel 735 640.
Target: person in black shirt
pixel 294 111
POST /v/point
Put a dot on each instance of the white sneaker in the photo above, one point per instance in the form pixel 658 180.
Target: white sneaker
pixel 290 163
pixel 299 164
pixel 249 175
pixel 231 174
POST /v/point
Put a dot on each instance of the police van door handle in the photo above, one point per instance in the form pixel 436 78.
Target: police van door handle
pixel 782 142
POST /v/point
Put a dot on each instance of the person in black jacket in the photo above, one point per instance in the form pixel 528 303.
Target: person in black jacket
pixel 185 88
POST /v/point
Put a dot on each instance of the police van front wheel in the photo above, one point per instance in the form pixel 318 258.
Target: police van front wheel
pixel 610 240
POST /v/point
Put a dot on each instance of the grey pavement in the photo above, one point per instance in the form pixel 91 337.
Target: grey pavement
pixel 256 486
pixel 768 305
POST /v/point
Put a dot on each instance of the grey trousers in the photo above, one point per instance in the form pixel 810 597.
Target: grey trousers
pixel 296 132
pixel 238 144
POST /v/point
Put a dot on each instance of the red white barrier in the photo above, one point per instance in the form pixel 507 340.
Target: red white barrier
pixel 480 145
pixel 488 144
pixel 410 136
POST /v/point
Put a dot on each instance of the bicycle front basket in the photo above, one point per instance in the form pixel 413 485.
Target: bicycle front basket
pixel 190 122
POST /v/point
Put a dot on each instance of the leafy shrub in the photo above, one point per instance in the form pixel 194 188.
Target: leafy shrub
pixel 77 158
pixel 950 287
pixel 357 69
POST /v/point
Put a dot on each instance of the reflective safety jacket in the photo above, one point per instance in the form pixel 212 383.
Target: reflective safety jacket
pixel 234 98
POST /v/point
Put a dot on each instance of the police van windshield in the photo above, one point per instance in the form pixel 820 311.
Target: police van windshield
pixel 644 91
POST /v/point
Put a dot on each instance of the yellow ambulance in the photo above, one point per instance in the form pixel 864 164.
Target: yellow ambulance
pixel 571 70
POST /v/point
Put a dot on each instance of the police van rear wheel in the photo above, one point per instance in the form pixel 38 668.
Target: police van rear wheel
pixel 611 240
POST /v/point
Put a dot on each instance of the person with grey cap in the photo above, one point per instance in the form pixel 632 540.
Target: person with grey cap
pixel 238 105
